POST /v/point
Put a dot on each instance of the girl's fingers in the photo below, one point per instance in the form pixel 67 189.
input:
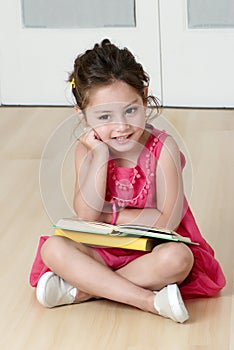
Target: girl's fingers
pixel 90 138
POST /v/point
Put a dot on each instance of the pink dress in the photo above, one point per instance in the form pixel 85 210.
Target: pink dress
pixel 135 187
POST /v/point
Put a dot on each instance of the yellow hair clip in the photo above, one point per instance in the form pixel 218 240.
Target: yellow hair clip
pixel 72 83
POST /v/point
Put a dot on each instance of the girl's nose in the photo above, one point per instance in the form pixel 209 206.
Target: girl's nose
pixel 122 124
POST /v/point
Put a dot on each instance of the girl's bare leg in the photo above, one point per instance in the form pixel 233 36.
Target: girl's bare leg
pixel 166 264
pixel 132 284
pixel 83 271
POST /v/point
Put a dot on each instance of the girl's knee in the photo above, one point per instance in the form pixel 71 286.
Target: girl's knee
pixel 186 258
pixel 176 255
pixel 51 249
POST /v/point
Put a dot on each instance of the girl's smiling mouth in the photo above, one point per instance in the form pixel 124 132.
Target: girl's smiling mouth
pixel 122 139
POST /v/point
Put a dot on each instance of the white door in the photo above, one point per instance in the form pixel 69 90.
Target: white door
pixel 34 62
pixel 197 38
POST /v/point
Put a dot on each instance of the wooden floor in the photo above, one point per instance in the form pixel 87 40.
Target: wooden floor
pixel 104 325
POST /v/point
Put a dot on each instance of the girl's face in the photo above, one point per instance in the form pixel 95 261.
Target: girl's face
pixel 117 114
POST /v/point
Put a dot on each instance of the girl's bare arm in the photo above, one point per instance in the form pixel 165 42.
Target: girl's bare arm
pixel 91 158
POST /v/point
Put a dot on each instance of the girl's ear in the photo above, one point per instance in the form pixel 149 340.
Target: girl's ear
pixel 80 115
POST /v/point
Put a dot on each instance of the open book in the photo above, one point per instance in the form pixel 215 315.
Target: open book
pixel 126 236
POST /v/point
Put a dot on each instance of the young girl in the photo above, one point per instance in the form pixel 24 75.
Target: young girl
pixel 126 172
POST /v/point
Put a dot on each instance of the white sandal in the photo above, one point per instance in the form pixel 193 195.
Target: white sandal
pixel 169 303
pixel 53 291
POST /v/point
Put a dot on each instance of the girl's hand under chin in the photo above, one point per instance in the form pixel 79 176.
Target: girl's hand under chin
pixel 92 141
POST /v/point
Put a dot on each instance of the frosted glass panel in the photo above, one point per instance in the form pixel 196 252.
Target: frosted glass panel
pixel 78 13
pixel 210 13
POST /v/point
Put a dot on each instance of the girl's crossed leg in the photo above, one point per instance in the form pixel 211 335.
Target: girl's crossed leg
pixel 86 273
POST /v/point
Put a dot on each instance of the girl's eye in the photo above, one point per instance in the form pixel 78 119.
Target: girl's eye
pixel 104 117
pixel 131 110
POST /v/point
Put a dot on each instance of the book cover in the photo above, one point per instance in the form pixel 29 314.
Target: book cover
pixel 124 242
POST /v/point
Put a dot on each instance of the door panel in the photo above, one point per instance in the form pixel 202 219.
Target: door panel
pixel 35 61
pixel 197 57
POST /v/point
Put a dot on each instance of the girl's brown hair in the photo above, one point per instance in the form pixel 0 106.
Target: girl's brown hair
pixel 104 64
